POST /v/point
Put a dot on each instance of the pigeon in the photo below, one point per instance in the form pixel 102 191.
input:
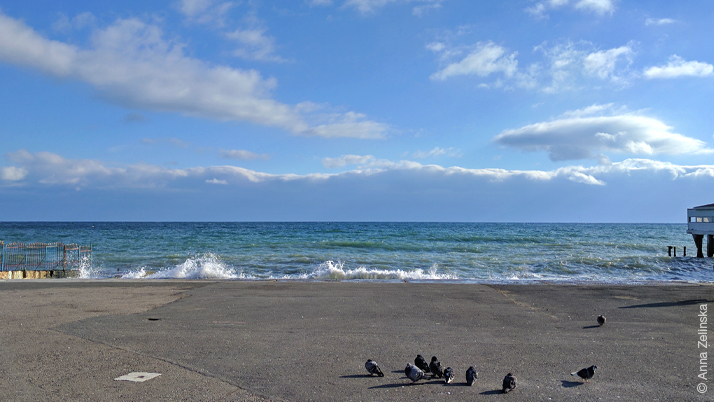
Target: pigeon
pixel 420 362
pixel 448 375
pixel 601 320
pixel 509 383
pixel 413 372
pixel 373 368
pixel 471 375
pixel 435 367
pixel 586 373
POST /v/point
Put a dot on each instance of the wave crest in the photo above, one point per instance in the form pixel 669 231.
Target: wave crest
pixel 331 270
pixel 206 266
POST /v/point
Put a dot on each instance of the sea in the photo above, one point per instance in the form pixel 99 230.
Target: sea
pixel 620 253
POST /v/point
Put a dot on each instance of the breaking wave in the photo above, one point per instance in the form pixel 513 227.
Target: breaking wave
pixel 206 266
pixel 331 270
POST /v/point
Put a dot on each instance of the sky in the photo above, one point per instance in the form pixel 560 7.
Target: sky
pixel 356 110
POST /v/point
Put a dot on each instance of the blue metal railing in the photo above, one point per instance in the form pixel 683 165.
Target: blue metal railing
pixel 42 256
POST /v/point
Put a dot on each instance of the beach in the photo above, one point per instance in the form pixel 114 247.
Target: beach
pixel 297 341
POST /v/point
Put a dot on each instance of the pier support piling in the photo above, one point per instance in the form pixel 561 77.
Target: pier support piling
pixel 710 245
pixel 698 242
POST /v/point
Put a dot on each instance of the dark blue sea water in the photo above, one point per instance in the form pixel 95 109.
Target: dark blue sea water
pixel 453 252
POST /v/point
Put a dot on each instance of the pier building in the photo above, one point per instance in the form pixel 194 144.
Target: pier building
pixel 700 223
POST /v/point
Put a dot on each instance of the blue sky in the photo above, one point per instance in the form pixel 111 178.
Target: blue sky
pixel 357 110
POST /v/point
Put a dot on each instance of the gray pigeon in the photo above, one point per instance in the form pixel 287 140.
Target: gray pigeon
pixel 413 372
pixel 420 362
pixel 601 320
pixel 586 373
pixel 448 375
pixel 471 375
pixel 373 368
pixel 509 383
pixel 435 367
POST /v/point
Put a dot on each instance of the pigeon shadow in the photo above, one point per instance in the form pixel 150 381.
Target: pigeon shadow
pixel 571 384
pixel 492 392
pixel 591 326
pixel 670 304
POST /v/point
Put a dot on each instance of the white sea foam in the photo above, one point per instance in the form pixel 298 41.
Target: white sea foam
pixel 206 266
pixel 138 274
pixel 86 271
pixel 336 270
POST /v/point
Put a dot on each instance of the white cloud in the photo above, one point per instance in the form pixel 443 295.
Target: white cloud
pixel 660 21
pixel 577 136
pixel 603 64
pixel 421 10
pixel 254 45
pixel 485 59
pixel 319 2
pixel 12 173
pixel 80 21
pixel 241 154
pixel 370 6
pixel 216 181
pixel 566 66
pixel 48 169
pixel 569 65
pixel 204 11
pixel 600 7
pixel 172 141
pixel 345 160
pixel 437 151
pixel 378 191
pixel 346 125
pixel 131 64
pixel 677 67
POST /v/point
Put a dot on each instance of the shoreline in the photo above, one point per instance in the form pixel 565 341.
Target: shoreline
pixel 308 340
pixel 521 282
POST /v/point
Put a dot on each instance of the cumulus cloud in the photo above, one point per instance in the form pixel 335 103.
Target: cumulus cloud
pixel 599 7
pixel 241 154
pixel 12 173
pixel 677 67
pixel 579 135
pixel 131 64
pixel 483 60
pixel 48 169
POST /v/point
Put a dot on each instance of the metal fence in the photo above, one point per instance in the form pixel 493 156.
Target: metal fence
pixel 43 256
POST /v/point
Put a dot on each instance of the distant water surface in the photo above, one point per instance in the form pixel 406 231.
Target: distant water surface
pixel 453 252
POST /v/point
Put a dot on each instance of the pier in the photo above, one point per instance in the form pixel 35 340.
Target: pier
pixel 42 260
pixel 700 223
